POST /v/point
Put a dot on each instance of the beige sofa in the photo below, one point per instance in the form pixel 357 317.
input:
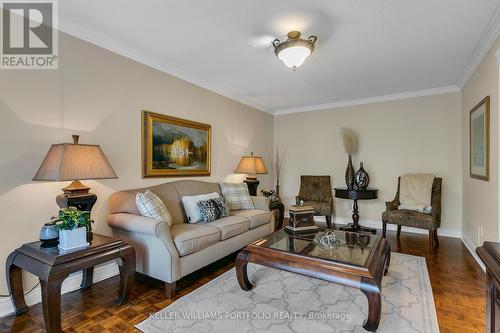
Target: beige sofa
pixel 167 253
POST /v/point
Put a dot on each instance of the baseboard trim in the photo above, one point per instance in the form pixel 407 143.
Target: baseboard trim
pixel 378 224
pixel 472 249
pixel 372 223
pixel 72 283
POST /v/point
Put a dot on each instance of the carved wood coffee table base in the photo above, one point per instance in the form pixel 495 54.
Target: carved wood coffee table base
pixel 367 277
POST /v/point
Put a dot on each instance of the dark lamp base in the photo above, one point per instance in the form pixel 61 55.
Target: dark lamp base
pixel 252 184
pixel 81 202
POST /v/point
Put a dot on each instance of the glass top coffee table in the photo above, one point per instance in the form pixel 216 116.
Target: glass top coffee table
pixel 358 260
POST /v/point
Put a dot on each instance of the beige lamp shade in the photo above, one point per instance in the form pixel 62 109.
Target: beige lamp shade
pixel 75 161
pixel 251 165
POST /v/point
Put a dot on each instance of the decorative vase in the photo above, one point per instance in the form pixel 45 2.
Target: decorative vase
pixel 361 178
pixel 349 175
pixel 49 235
pixel 277 192
pixel 73 239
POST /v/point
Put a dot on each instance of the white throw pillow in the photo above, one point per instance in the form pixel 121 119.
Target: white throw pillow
pixel 237 196
pixel 191 208
pixel 150 205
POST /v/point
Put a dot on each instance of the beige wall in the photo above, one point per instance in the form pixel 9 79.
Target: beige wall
pixel 480 201
pixel 412 135
pixel 99 95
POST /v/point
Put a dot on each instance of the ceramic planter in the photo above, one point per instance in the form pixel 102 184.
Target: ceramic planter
pixel 73 239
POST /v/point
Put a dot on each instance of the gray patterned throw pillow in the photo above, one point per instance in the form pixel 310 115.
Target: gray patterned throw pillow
pixel 222 209
pixel 208 210
pixel 237 196
pixel 213 209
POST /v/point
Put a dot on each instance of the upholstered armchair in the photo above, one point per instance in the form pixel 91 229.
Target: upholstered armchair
pixel 316 191
pixel 415 219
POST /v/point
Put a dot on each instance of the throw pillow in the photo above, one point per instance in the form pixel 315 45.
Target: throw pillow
pixel 237 196
pixel 150 205
pixel 213 209
pixel 222 209
pixel 191 208
pixel 208 210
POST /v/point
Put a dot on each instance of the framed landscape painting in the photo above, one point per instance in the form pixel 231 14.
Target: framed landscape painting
pixel 173 147
pixel 480 140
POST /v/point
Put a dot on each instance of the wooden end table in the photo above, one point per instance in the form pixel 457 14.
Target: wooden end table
pixel 52 266
pixel 278 205
pixel 355 195
pixel 359 262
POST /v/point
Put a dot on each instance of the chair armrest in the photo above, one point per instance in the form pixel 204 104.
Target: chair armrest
pixel 261 203
pixel 137 223
pixel 436 215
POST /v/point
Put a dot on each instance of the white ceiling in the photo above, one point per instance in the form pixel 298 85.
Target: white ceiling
pixel 365 48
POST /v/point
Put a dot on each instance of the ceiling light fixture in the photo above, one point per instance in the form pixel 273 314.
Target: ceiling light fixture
pixel 294 51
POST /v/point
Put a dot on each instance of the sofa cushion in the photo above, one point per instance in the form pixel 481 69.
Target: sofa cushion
pixel 256 217
pixel 231 226
pixel 410 218
pixel 189 238
pixel 320 208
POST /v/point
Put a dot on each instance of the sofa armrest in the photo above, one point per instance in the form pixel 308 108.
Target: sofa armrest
pixel 136 223
pixel 156 253
pixel 261 203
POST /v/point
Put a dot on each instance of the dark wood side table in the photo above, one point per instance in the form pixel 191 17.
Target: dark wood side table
pixel 53 266
pixel 278 205
pixel 355 195
pixel 490 255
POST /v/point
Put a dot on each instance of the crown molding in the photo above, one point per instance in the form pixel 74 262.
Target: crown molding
pixel 95 38
pixel 487 40
pixel 370 100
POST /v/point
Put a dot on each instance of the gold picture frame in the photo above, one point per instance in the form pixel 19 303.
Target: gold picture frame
pixel 175 147
pixel 479 140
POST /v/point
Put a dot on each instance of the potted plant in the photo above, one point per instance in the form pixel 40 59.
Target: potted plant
pixel 72 224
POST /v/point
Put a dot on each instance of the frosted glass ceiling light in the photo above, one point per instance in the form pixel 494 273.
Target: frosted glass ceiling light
pixel 294 51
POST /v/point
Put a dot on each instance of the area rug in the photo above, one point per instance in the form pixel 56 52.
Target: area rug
pixel 286 302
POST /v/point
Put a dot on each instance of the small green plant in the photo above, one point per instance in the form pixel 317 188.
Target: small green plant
pixel 72 218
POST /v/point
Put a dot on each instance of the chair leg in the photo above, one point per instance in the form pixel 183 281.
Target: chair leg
pixel 431 240
pixel 170 290
pixel 384 229
pixel 436 239
pixel 399 231
pixel 328 221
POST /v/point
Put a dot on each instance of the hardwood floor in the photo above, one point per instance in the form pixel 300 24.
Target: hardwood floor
pixel 458 284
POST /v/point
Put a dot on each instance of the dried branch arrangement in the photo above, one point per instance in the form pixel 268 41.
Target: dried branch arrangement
pixel 350 141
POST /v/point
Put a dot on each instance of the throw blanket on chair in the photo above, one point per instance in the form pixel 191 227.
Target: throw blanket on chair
pixel 415 192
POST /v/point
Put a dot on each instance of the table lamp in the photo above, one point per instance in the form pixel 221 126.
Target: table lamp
pixel 75 162
pixel 251 165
